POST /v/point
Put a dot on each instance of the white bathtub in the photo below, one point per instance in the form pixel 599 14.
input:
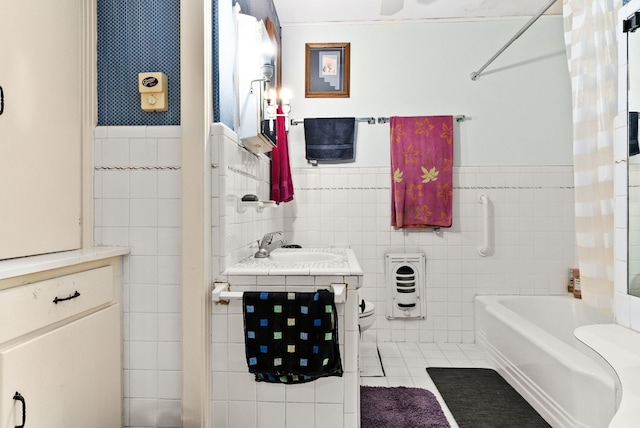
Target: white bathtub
pixel 529 340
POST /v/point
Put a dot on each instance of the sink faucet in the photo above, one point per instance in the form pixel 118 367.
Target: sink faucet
pixel 268 244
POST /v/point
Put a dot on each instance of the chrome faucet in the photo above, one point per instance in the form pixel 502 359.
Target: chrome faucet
pixel 268 244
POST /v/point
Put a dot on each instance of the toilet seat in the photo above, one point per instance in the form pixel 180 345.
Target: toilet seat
pixel 366 315
pixel 367 309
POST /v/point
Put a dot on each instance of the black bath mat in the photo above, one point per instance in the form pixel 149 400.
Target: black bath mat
pixel 481 398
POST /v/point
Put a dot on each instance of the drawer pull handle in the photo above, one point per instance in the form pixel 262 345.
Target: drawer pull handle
pixel 18 397
pixel 62 299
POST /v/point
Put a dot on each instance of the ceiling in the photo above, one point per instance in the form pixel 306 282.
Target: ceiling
pixel 317 11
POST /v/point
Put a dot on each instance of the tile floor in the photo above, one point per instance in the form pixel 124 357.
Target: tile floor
pixel 405 364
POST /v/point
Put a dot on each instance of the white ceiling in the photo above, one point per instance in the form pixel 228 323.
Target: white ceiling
pixel 316 11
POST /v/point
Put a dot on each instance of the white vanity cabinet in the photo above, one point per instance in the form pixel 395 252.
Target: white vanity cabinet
pixel 68 377
pixel 60 347
pixel 40 126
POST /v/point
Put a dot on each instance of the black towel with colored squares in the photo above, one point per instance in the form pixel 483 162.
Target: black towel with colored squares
pixel 291 337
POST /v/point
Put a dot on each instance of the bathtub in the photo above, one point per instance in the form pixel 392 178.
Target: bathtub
pixel 529 340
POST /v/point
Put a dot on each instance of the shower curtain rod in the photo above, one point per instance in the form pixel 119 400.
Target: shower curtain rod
pixel 476 74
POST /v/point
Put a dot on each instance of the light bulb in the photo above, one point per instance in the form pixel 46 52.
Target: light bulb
pixel 285 95
pixel 271 96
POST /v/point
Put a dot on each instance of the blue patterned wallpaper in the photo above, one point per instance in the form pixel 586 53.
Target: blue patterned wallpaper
pixel 137 36
pixel 144 35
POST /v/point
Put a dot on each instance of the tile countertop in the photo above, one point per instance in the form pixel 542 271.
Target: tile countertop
pixel 345 263
pixel 620 347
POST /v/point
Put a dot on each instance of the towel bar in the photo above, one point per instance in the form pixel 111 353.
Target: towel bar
pixel 372 120
pixel 369 120
pixel 221 292
pixel 460 118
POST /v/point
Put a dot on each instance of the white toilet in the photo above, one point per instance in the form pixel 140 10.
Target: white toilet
pixel 367 315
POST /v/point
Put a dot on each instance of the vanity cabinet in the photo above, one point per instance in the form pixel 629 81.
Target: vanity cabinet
pixel 40 126
pixel 60 348
pixel 68 377
pixel 330 401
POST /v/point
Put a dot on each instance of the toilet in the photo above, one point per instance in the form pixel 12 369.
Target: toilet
pixel 367 315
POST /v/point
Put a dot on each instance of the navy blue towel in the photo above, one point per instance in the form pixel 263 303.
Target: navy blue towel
pixel 330 139
pixel 634 148
pixel 291 337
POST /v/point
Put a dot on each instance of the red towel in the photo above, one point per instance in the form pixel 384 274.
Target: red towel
pixel 421 171
pixel 281 184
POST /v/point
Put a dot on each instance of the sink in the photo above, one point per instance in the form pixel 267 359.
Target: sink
pixel 299 261
pixel 301 257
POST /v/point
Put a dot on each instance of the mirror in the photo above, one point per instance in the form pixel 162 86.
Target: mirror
pixel 259 93
pixel 633 164
pixel 269 51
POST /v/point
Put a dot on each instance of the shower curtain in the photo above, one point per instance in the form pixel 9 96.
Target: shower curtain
pixel 592 58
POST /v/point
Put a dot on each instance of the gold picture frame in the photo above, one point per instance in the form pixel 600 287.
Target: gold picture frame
pixel 327 70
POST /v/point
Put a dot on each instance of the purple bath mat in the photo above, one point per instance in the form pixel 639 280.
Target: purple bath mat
pixel 400 407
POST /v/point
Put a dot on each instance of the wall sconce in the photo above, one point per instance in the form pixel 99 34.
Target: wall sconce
pixel 268 104
pixel 271 107
pixel 266 71
pixel 285 98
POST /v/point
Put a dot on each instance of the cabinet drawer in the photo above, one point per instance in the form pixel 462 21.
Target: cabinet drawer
pixel 30 307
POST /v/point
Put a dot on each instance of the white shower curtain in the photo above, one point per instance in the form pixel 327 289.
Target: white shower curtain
pixel 591 43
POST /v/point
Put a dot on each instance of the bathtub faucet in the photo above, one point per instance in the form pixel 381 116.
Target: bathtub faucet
pixel 268 244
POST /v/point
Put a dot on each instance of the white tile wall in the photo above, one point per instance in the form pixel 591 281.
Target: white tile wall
pixel 238 401
pixel 237 172
pixel 326 402
pixel 138 204
pixel 531 229
pixel 533 243
pixel 137 201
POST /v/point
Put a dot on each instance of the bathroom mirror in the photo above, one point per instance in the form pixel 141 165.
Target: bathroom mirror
pixel 270 56
pixel 633 164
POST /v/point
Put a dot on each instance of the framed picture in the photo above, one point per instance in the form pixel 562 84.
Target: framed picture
pixel 327 67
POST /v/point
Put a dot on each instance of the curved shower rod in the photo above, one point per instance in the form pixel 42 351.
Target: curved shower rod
pixel 476 74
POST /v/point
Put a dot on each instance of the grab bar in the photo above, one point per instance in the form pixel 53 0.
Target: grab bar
pixel 221 293
pixel 484 249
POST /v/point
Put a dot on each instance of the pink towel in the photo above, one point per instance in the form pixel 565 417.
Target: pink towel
pixel 421 171
pixel 281 184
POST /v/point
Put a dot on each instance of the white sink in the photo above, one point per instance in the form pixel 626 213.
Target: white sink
pixel 300 261
pixel 301 257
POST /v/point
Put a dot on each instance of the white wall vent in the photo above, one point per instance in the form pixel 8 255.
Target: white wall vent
pixel 405 276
